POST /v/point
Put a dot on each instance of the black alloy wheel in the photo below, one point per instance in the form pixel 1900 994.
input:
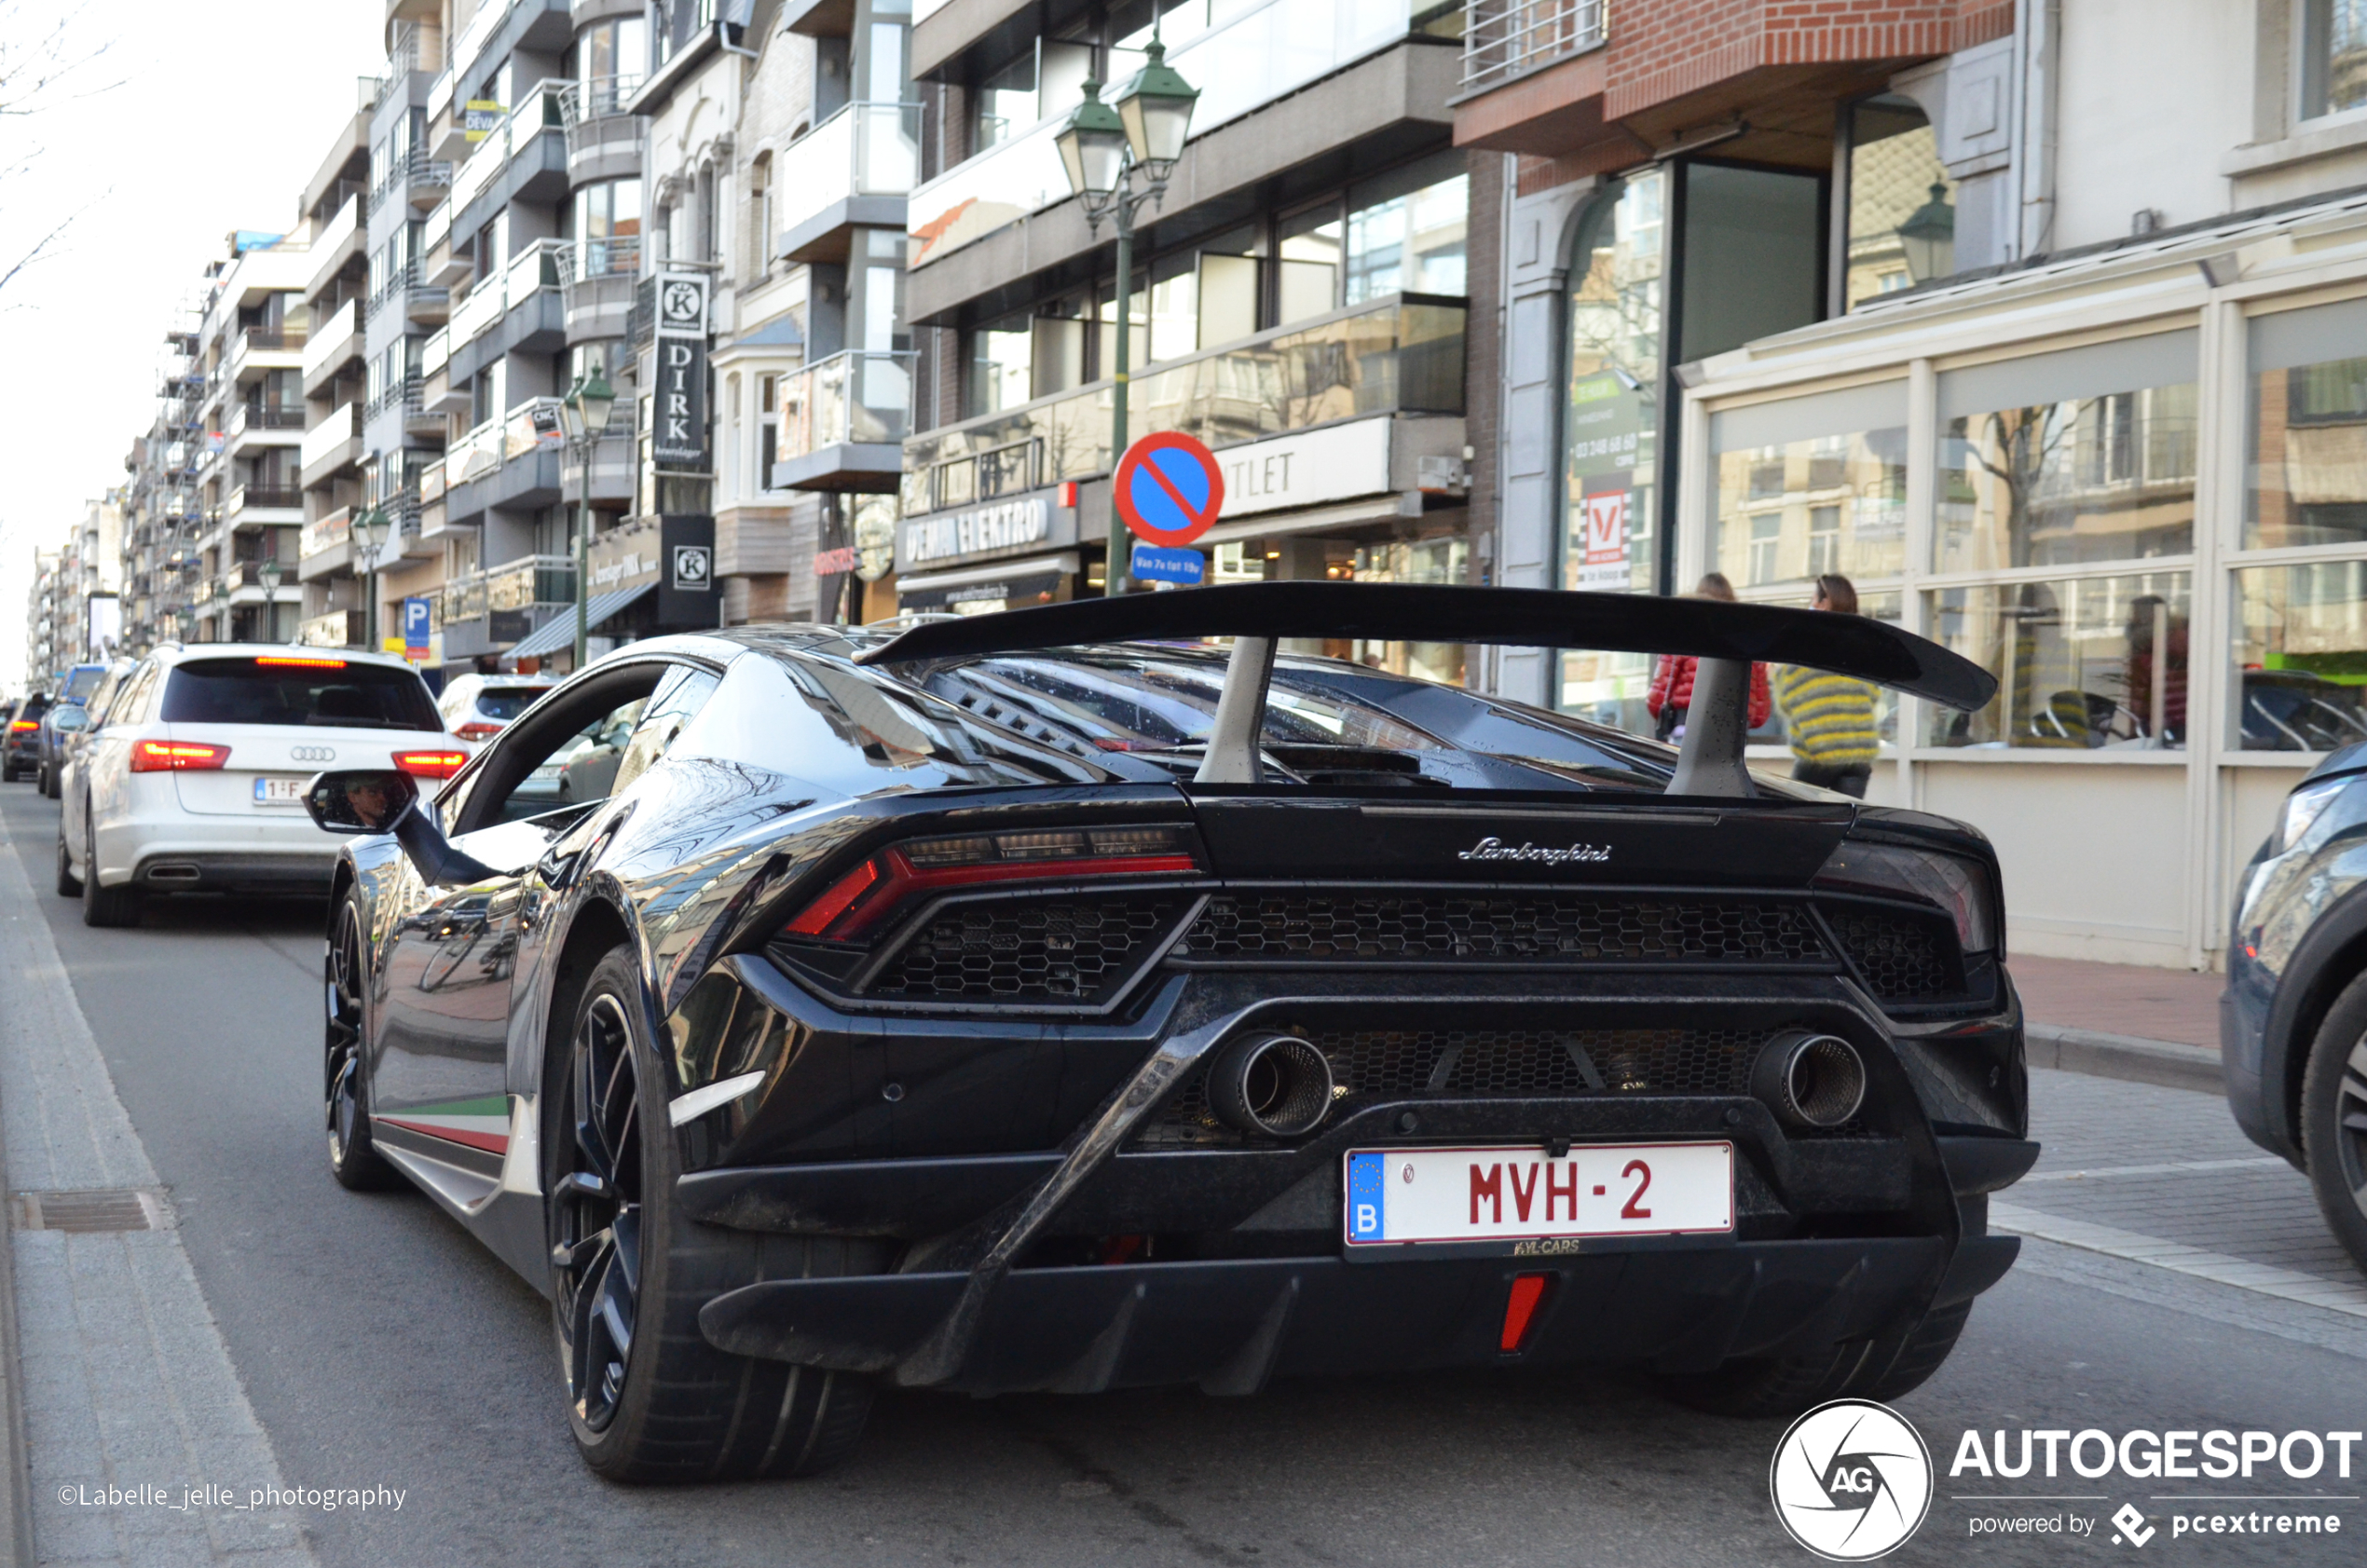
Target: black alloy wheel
pixel 2334 1120
pixel 595 1245
pixel 353 1158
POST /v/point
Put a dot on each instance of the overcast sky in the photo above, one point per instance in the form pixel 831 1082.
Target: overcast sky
pixel 212 118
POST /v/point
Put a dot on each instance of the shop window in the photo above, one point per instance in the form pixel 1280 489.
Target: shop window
pixel 1752 240
pixel 2301 656
pixel 2086 454
pixel 1795 500
pixel 1902 212
pixel 2083 663
pixel 2333 57
pixel 2308 468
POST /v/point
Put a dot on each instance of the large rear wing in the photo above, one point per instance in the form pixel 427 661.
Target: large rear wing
pixel 1728 637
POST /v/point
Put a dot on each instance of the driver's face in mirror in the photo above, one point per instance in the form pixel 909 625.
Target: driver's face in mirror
pixel 371 804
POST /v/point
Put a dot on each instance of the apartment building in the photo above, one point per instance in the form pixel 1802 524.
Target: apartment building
pixel 250 347
pixel 335 212
pixel 162 575
pixel 1301 299
pixel 2045 324
pixel 46 633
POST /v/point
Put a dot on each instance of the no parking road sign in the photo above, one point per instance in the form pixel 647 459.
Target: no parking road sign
pixel 1169 489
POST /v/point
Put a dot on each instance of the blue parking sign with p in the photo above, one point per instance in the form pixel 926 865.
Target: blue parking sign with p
pixel 414 624
pixel 1366 1188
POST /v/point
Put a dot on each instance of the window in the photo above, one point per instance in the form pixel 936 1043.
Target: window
pixel 612 56
pixel 1902 219
pixel 2086 454
pixel 607 228
pixel 2082 664
pixel 1001 365
pixel 1308 246
pixel 760 210
pixel 2333 57
pixel 1406 231
pixel 1046 80
pixel 768 442
pixel 1796 500
pixel 1611 411
pixel 328 692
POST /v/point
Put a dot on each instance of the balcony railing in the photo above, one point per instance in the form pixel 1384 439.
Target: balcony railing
pixel 259 417
pixel 248 496
pixel 535 113
pixel 322 439
pixel 253 338
pixel 339 335
pixel 615 255
pixel 1402 354
pixel 596 98
pixel 532 579
pixel 1503 39
pixel 325 533
pixel 864 149
pixel 345 628
pixel 1260 52
pixel 854 397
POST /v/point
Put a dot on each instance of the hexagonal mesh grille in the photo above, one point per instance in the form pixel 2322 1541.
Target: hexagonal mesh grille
pixel 1068 951
pixel 1573 927
pixel 1903 959
pixel 1498 1063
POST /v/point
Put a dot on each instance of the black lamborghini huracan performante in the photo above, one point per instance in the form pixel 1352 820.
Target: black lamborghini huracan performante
pixel 1104 995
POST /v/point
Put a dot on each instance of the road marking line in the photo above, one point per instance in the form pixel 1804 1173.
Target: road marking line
pixel 2267 1279
pixel 2172 1168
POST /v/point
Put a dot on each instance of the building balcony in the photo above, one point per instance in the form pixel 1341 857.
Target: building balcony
pixel 597 278
pixel 334 347
pixel 1260 53
pixel 426 180
pixel 255 505
pixel 1400 354
pixel 843 421
pixel 519 311
pixel 1533 76
pixel 613 463
pixel 251 426
pixel 242 584
pixel 425 306
pixel 342 239
pixel 853 169
pixel 487 611
pixel 511 462
pixel 332 445
pixel 603 137
pixel 345 628
pixel 523 158
pixel 260 349
pixel 325 547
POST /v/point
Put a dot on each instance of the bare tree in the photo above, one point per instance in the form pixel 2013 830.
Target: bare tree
pixel 44 62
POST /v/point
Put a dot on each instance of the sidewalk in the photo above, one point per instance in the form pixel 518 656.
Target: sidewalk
pixel 2122 1020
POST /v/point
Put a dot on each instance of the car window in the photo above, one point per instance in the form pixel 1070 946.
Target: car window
pixel 266 688
pixel 505 703
pixel 138 699
pixel 681 694
pixel 83 682
pixel 455 699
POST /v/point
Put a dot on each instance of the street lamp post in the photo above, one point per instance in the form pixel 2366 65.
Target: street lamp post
pixel 1104 147
pixel 584 411
pixel 269 572
pixel 366 531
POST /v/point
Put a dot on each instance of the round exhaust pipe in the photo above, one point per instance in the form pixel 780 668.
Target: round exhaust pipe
pixel 1275 1084
pixel 1808 1079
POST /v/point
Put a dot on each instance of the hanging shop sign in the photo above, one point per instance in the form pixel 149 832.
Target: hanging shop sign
pixel 687 593
pixel 1337 463
pixel 1016 525
pixel 679 436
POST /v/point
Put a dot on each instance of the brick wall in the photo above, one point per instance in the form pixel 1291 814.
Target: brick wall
pixel 1663 50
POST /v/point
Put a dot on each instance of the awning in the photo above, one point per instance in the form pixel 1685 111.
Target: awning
pixel 559 631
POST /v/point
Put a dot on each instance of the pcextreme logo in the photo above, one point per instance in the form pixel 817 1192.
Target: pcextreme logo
pixel 1851 1480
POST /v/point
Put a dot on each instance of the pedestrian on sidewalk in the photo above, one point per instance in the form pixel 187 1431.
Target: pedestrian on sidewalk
pixel 1672 689
pixel 1829 718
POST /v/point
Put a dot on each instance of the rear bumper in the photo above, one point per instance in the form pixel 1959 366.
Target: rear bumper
pixel 1230 1326
pixel 168 872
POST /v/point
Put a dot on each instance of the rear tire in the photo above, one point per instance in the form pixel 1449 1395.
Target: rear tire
pixel 105 906
pixel 8 773
pixel 2334 1120
pixel 42 785
pixel 354 1160
pixel 649 1399
pixel 69 885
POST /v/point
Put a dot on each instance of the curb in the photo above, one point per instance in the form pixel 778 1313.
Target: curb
pixel 2124 1055
pixel 16 1486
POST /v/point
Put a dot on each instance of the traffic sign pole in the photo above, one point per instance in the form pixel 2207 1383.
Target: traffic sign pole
pixel 1116 579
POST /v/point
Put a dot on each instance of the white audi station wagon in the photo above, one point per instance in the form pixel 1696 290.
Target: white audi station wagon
pixel 194 782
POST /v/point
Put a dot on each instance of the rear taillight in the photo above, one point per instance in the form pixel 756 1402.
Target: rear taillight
pixel 25 724
pixel 477 729
pixel 866 895
pixel 431 764
pixel 177 757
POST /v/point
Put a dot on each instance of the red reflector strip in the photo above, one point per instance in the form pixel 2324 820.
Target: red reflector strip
pixel 1527 1290
pixel 831 904
pixel 177 757
pixel 431 764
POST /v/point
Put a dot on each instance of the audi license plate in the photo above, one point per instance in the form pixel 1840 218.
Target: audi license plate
pixel 280 792
pixel 1396 1197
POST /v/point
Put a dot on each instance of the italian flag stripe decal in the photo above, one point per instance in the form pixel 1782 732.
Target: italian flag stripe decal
pixel 483 1123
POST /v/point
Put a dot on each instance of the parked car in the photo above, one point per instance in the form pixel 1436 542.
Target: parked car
pixel 476 707
pixel 67 715
pixel 195 781
pixel 20 748
pixel 2292 1020
pixel 1011 1005
pixel 75 733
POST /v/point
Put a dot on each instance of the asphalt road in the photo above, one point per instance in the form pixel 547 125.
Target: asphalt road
pixel 380 1346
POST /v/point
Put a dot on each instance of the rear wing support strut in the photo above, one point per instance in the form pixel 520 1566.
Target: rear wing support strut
pixel 1709 759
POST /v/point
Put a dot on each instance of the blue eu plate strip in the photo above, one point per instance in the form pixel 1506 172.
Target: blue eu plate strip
pixel 1367 1191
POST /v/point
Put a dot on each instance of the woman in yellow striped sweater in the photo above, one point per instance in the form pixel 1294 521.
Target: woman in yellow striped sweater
pixel 1829 718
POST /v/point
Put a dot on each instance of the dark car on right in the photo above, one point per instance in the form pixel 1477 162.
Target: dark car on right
pixel 2292 1020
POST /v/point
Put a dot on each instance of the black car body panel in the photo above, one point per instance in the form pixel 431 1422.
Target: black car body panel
pixel 1512 938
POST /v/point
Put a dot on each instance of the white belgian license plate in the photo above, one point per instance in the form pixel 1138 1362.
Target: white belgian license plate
pixel 280 792
pixel 1517 1194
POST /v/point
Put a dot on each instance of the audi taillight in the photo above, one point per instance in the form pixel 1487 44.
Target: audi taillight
pixel 177 757
pixel 477 729
pixel 867 894
pixel 431 764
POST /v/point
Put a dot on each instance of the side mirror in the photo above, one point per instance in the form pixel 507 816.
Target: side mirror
pixel 67 720
pixel 359 800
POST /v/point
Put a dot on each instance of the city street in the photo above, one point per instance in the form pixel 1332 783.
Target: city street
pixel 376 1347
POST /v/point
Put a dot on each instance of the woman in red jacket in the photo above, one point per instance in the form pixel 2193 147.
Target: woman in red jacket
pixel 1672 689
